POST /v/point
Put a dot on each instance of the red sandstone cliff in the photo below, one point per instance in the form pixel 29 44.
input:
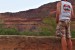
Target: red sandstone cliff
pixel 30 17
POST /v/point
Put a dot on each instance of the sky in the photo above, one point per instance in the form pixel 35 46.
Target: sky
pixel 21 5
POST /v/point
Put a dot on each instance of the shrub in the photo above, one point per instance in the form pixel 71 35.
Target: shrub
pixel 73 33
pixel 8 31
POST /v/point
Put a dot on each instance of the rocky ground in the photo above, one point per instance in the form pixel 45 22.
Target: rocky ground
pixel 30 43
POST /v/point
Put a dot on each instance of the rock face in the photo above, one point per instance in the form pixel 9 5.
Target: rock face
pixel 29 18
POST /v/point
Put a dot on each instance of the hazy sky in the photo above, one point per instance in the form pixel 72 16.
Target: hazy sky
pixel 21 5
